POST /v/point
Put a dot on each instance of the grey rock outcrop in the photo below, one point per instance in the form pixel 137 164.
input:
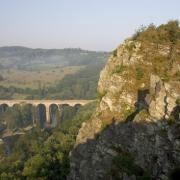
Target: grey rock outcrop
pixel 155 150
pixel 164 99
pixel 113 81
pixel 138 115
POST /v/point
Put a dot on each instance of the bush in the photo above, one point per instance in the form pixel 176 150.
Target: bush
pixel 165 77
pixel 118 69
pixel 139 73
pixel 126 110
pixel 165 33
pixel 115 53
pixel 100 95
pixel 178 102
pixel 171 120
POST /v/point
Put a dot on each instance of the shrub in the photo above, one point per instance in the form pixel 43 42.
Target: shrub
pixel 178 102
pixel 165 77
pixel 165 33
pixel 118 69
pixel 100 95
pixel 98 113
pixel 128 112
pixel 130 46
pixel 115 53
pixel 139 73
pixel 171 120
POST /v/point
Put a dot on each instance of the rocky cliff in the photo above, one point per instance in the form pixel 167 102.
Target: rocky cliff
pixel 135 131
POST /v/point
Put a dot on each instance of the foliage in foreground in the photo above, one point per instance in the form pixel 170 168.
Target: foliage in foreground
pixel 44 154
pixel 164 34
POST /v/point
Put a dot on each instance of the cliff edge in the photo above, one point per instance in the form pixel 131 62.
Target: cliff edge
pixel 135 131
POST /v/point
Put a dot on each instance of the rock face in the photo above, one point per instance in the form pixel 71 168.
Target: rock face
pixel 113 80
pixel 165 96
pixel 155 151
pixel 135 131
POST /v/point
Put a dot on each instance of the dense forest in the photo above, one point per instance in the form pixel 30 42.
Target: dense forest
pixel 41 153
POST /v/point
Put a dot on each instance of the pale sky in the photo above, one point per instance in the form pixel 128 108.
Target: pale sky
pixel 86 24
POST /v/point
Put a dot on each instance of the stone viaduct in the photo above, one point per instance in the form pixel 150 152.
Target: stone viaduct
pixel 46 103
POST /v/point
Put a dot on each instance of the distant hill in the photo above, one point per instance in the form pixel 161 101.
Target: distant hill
pixel 28 58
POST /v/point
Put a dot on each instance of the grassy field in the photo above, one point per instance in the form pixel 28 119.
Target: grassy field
pixel 32 79
pixel 27 73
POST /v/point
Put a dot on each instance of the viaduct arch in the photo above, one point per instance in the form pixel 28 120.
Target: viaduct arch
pixel 46 103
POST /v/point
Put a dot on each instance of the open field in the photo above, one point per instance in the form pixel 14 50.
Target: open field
pixel 27 73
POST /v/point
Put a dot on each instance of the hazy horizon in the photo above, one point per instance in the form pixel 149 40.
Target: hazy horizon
pixel 35 48
pixel 90 25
